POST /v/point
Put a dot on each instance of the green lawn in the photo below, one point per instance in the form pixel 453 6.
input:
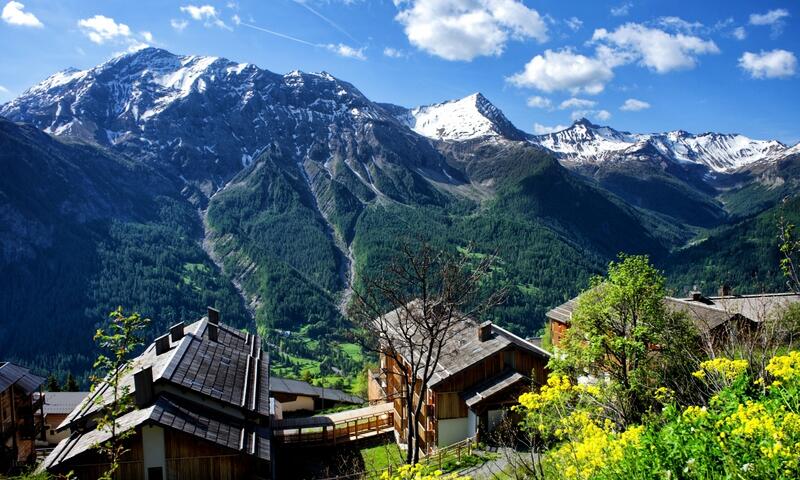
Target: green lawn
pixel 380 457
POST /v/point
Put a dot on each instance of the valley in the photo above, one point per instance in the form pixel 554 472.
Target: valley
pixel 163 182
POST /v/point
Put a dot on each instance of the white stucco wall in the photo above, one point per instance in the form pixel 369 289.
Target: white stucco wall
pixel 300 403
pixel 451 431
pixel 153 448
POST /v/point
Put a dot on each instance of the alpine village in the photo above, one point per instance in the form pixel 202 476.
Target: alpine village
pixel 209 270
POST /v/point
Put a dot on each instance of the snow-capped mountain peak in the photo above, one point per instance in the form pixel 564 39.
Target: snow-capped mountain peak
pixel 587 143
pixel 467 118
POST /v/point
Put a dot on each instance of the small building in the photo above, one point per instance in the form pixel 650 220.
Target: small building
pixel 202 410
pixel 298 396
pixel 56 407
pixel 712 316
pixel 481 373
pixel 20 401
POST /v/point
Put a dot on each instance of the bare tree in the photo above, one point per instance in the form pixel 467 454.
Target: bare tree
pixel 789 246
pixel 410 311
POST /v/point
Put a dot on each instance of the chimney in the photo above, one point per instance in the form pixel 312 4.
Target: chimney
pixel 176 332
pixel 484 331
pixel 696 294
pixel 213 332
pixel 213 316
pixel 143 386
pixel 725 290
pixel 162 344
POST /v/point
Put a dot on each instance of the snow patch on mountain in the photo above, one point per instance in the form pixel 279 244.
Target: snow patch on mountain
pixel 589 144
pixel 458 120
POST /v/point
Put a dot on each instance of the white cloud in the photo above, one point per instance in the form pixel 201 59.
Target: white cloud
pixel 772 64
pixel 392 52
pixel 602 115
pixel 769 18
pixel 178 25
pixel 347 51
pixel 678 24
pixel 739 33
pixel 654 48
pixel 101 29
pixel 539 102
pixel 3 89
pixel 622 10
pixel 580 103
pixel 206 14
pixel 634 105
pixel 466 29
pixel 148 37
pixel 773 18
pixel 14 14
pixel 574 23
pixel 236 19
pixel 540 129
pixel 564 70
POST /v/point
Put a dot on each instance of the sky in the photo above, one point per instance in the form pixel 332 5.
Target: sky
pixel 640 66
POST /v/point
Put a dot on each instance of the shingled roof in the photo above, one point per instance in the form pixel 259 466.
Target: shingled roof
pixel 305 389
pixel 21 377
pixel 230 370
pixel 177 414
pixel 707 313
pixel 465 347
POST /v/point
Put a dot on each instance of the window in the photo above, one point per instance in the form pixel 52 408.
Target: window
pixel 155 473
pixel 510 359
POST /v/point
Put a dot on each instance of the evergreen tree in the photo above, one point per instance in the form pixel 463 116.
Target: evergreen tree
pixel 52 384
pixel 72 384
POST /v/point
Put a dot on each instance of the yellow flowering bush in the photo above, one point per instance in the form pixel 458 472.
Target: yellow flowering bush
pixel 723 368
pixel 419 472
pixel 785 368
pixel 745 431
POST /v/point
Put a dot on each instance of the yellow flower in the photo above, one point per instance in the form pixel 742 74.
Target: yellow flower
pixel 726 368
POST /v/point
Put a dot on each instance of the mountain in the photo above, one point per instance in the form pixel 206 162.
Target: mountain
pixel 83 230
pixel 161 182
pixel 468 118
pixel 585 143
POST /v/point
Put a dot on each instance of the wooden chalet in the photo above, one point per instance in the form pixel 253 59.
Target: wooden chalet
pixel 299 396
pixel 712 316
pixel 20 426
pixel 203 410
pixel 57 406
pixel 481 373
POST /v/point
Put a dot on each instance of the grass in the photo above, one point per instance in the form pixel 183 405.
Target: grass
pixel 380 457
pixel 353 351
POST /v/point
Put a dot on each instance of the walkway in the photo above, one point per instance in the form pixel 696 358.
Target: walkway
pixel 335 428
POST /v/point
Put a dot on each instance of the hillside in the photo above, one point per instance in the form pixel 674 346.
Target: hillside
pixel 206 181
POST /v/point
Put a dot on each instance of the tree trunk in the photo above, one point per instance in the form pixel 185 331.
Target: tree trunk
pixel 411 438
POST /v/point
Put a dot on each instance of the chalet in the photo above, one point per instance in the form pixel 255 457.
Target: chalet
pixel 203 410
pixel 711 315
pixel 298 396
pixel 20 400
pixel 482 371
pixel 56 407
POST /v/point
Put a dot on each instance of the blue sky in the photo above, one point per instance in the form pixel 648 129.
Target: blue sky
pixel 635 65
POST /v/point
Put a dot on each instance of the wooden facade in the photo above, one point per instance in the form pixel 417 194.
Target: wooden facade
pixel 445 412
pixel 20 417
pixel 202 410
pixel 186 458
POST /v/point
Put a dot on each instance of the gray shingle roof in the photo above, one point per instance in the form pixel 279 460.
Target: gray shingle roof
pixel 232 370
pixel 177 414
pixel 493 386
pixel 463 348
pixel 709 313
pixel 62 402
pixel 11 374
pixel 563 312
pixel 297 387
